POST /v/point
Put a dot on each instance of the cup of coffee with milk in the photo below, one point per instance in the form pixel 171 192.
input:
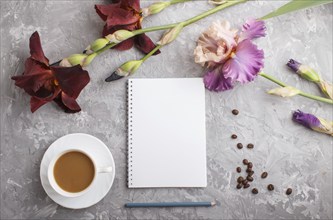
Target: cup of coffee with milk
pixel 73 172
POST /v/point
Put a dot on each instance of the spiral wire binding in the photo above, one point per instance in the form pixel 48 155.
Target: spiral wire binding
pixel 130 135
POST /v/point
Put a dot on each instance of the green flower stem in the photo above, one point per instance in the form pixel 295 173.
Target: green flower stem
pixel 168 26
pixel 191 20
pixel 178 1
pixel 307 95
pixel 151 53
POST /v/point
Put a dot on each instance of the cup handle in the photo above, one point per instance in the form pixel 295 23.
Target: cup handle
pixel 104 169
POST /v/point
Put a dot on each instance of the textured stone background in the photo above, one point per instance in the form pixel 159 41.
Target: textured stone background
pixel 294 156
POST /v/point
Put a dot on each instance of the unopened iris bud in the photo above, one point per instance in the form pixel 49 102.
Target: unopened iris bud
pixel 78 59
pixel 96 45
pixel 119 36
pixel 129 67
pixel 287 91
pixel 326 88
pixel 155 8
pixel 304 71
pixel 171 35
pixel 313 122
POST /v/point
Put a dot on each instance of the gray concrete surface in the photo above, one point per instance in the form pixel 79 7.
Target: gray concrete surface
pixel 294 156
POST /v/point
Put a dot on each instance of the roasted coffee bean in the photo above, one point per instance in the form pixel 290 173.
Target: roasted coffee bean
pixel 249 165
pixel 255 191
pixel 289 191
pixel 248 170
pixel 240 179
pixel 250 146
pixel 234 136
pixel 270 187
pixel 235 112
pixel 245 161
pixel 239 145
pixel 249 178
pixel 238 169
pixel 264 175
pixel 250 173
pixel 239 185
pixel 246 186
pixel 245 182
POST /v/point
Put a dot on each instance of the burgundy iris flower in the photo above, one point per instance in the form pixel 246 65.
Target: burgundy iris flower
pixel 45 83
pixel 125 15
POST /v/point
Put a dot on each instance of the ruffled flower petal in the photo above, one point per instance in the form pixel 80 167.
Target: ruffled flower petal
pixel 36 50
pixel 214 80
pixel 253 29
pixel 71 105
pixel 245 64
pixel 133 4
pixel 145 44
pixel 33 78
pixel 71 80
pixel 215 45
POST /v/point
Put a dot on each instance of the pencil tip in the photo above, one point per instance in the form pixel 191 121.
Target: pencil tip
pixel 215 202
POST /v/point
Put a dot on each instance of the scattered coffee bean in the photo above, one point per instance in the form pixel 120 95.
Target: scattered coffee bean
pixel 245 182
pixel 235 112
pixel 239 185
pixel 250 173
pixel 289 191
pixel 246 186
pixel 249 178
pixel 245 161
pixel 270 187
pixel 255 191
pixel 250 146
pixel 234 136
pixel 264 175
pixel 240 179
pixel 249 165
pixel 248 170
pixel 238 169
pixel 239 145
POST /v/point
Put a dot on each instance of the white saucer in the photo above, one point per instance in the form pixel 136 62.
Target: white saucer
pixel 98 150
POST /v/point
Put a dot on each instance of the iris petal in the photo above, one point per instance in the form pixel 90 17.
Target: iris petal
pixel 253 29
pixel 214 80
pixel 36 50
pixel 245 63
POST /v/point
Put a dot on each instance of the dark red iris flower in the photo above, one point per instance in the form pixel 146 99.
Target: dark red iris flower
pixel 125 15
pixel 45 83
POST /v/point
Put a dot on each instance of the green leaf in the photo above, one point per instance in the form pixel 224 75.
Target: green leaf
pixel 295 5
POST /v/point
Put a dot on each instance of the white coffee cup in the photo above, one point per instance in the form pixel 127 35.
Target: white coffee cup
pixel 58 189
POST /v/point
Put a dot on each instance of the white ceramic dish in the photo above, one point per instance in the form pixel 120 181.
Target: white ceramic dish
pixel 103 158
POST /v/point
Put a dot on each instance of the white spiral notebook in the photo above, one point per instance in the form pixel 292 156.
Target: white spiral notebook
pixel 166 133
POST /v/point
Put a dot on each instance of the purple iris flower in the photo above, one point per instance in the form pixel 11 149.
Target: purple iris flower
pixel 229 56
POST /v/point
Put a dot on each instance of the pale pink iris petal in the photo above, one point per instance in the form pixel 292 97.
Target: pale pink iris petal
pixel 253 29
pixel 215 81
pixel 245 63
pixel 215 44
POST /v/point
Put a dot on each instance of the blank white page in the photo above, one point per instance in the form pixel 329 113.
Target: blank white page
pixel 166 133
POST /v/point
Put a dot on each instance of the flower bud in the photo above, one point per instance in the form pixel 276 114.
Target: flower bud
pixel 78 59
pixel 171 35
pixel 96 45
pixel 313 122
pixel 287 91
pixel 129 67
pixel 119 36
pixel 304 71
pixel 326 88
pixel 155 8
pixel 73 60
